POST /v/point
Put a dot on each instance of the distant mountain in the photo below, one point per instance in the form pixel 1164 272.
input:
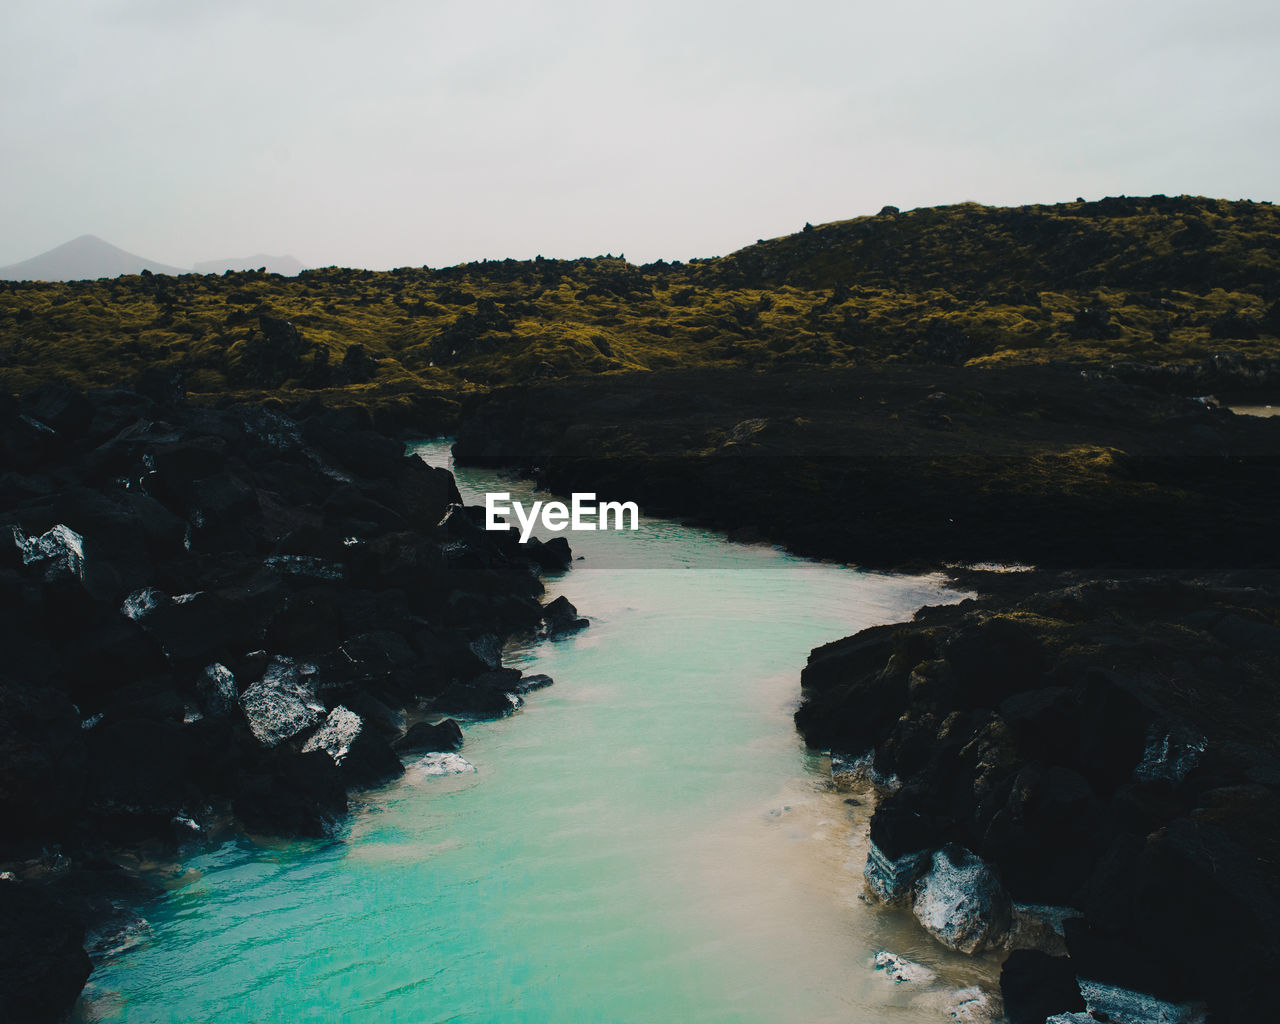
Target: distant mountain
pixel 85 258
pixel 286 265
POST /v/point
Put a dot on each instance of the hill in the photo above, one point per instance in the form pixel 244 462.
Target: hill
pixel 83 259
pixel 1188 285
pixel 286 265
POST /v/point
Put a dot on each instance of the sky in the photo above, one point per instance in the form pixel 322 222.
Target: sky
pixel 418 132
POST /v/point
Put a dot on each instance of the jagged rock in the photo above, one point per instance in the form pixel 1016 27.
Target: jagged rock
pixel 142 603
pixel 490 695
pixel 64 410
pixel 550 556
pixel 405 560
pixel 1172 750
pixel 901 848
pixel 386 720
pixel 42 761
pixel 961 903
pixel 852 698
pixel 292 794
pixel 57 553
pixel 1034 985
pixel 139 768
pixel 336 735
pixel 282 703
pixel 363 755
pixel 1125 1006
pixel 217 687
pixel 441 737
pixel 902 970
pixel 440 764
pixel 536 681
pixel 42 963
pixel 561 618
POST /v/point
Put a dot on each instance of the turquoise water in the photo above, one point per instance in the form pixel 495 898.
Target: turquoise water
pixel 647 840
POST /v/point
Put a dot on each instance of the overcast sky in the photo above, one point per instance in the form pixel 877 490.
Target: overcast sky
pixel 409 132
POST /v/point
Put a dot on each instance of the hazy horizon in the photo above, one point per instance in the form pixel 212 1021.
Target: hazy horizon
pixel 405 134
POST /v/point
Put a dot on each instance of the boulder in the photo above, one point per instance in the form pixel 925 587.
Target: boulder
pixel 901 848
pixel 1035 985
pixel 63 410
pixel 490 695
pixel 291 794
pixel 1172 749
pixel 43 964
pixel 560 618
pixel 435 764
pixel 536 681
pixel 961 902
pixel 550 556
pixel 852 713
pixel 56 554
pixel 364 756
pixel 1118 969
pixel 422 737
pixel 405 560
pixel 902 970
pixel 216 685
pixel 282 703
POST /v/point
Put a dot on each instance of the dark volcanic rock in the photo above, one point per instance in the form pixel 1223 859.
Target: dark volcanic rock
pixel 139 768
pixel 561 618
pixel 224 610
pixel 42 963
pixel 490 695
pixel 902 845
pixel 365 757
pixel 1104 747
pixel 961 902
pixel 423 738
pixel 292 794
pixel 537 681
pixel 42 762
pixel 1034 985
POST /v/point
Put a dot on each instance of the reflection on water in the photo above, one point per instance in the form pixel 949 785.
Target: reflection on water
pixel 647 840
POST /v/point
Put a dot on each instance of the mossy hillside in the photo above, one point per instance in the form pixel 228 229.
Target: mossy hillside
pixel 1167 280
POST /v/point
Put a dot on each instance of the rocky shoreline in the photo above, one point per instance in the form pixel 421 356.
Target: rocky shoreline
pixel 1085 781
pixel 220 616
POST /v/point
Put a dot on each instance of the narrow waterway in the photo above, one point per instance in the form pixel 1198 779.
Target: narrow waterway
pixel 647 840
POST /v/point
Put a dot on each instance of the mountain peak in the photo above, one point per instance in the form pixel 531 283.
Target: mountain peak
pixel 83 258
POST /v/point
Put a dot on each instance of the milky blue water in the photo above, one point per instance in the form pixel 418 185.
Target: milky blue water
pixel 647 840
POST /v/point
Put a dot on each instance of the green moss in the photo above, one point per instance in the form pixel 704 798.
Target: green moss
pixel 1158 279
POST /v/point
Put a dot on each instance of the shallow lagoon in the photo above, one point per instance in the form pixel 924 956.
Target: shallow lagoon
pixel 647 840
